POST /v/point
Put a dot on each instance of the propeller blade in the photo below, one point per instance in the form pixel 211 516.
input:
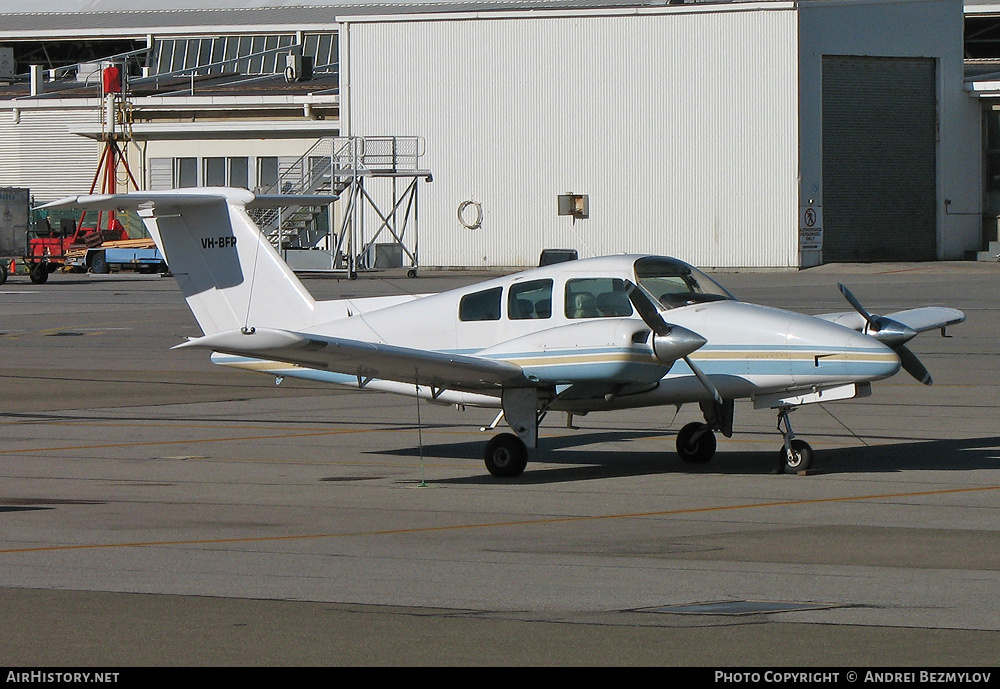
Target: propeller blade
pixel 885 330
pixel 712 390
pixel 872 323
pixel 911 364
pixel 648 311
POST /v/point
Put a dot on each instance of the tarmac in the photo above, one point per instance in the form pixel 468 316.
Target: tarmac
pixel 159 511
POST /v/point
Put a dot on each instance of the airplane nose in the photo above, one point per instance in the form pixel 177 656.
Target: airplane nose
pixel 873 358
pixel 838 353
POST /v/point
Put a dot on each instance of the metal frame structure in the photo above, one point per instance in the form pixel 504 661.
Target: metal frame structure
pixel 377 179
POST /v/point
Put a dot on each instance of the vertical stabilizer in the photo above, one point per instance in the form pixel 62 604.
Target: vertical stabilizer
pixel 230 274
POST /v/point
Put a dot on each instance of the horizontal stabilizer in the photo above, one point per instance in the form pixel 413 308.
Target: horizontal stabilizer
pixel 250 340
pixel 187 197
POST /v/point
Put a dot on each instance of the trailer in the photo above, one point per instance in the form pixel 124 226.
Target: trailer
pixel 139 255
pixel 50 249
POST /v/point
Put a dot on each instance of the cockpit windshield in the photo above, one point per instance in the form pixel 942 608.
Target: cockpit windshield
pixel 675 283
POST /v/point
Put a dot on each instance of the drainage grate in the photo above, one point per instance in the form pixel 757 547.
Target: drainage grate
pixel 740 607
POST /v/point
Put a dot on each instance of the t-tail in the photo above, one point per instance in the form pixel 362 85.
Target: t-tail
pixel 230 274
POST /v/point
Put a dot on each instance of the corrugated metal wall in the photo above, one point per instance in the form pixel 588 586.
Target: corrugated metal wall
pixel 681 127
pixel 39 153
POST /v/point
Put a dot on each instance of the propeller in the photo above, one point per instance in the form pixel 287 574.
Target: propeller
pixel 670 342
pixel 892 334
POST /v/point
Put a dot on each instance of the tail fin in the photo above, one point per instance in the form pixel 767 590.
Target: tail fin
pixel 229 273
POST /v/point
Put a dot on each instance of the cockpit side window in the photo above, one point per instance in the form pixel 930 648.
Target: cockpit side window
pixel 597 298
pixel 532 299
pixel 675 283
pixel 480 306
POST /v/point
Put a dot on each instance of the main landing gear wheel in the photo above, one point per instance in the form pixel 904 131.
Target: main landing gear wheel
pixel 799 459
pixel 695 443
pixel 506 455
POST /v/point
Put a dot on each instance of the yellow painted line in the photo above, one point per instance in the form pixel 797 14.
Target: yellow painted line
pixel 493 525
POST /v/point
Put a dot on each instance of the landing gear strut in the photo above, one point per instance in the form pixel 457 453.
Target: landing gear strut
pixel 796 455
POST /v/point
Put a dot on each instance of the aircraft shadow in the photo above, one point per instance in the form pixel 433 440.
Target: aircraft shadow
pixel 563 459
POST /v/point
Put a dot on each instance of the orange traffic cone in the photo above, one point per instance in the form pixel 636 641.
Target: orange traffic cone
pixel 12 268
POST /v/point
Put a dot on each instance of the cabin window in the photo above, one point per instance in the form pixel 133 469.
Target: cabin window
pixel 532 299
pixel 480 306
pixel 597 298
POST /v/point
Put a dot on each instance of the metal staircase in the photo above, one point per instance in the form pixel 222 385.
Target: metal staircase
pixel 374 223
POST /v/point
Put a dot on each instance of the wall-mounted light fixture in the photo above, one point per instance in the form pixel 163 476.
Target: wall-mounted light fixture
pixel 577 205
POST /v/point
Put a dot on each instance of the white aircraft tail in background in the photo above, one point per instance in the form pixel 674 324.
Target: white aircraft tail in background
pixel 219 255
pixel 581 336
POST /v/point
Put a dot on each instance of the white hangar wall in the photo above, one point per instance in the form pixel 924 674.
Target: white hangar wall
pixel 679 123
pixel 38 152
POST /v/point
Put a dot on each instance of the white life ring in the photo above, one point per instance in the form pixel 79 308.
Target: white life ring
pixel 477 220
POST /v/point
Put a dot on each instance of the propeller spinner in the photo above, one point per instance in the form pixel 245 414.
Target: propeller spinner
pixel 892 334
pixel 670 342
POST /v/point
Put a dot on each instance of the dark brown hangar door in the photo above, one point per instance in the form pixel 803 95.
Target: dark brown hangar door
pixel 879 159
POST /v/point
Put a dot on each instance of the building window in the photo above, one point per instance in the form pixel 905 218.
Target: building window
pixel 185 172
pixel 239 172
pixel 243 54
pixel 267 173
pixel 215 172
pixel 227 172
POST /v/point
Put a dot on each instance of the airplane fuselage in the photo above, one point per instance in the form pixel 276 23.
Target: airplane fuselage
pixel 571 325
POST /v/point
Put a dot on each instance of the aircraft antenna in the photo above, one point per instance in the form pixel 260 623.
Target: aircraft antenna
pixel 253 280
pixel 582 240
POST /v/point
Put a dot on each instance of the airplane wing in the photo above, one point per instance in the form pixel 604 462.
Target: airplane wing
pixel 366 360
pixel 918 320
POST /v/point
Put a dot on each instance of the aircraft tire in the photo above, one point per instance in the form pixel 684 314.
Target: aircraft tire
pixel 3 274
pixel 801 459
pixel 699 451
pixel 506 455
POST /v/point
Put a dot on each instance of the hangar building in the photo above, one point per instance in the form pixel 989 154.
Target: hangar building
pixel 772 133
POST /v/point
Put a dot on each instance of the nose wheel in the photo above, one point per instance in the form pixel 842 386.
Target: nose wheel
pixel 795 455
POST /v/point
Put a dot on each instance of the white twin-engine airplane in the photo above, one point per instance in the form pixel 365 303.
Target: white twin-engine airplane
pixel 580 336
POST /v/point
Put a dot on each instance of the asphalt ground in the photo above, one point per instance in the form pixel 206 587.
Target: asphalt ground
pixel 157 510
